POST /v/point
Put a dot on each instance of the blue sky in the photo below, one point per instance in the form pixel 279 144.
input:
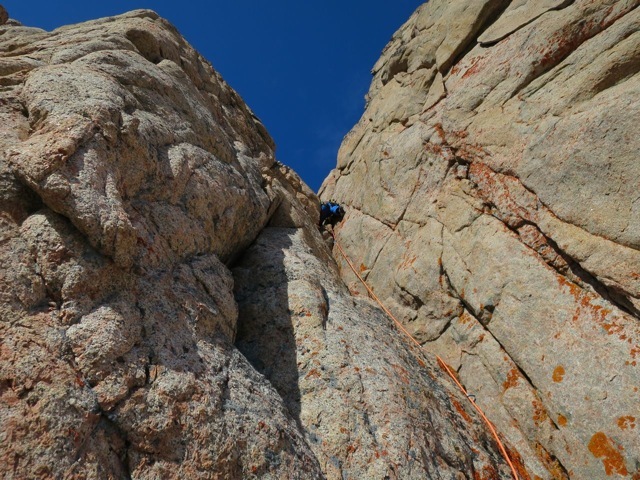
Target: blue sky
pixel 303 66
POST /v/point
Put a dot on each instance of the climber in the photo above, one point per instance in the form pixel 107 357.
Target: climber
pixel 330 213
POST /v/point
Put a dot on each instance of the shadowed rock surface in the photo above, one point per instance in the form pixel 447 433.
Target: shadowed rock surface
pixel 136 189
pixel 492 199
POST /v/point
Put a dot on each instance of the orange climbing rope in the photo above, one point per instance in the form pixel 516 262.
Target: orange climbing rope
pixel 484 417
pixel 503 450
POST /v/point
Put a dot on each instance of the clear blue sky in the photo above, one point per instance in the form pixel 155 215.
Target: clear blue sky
pixel 303 66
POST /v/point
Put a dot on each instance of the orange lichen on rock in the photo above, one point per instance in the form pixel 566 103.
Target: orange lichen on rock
pixel 588 309
pixel 553 466
pixel 465 318
pixel 627 422
pixel 562 420
pixel 408 261
pixel 313 373
pixel 539 413
pixel 603 447
pixel 488 472
pixel 612 328
pixel 458 406
pixel 574 289
pixel 475 68
pixel 558 374
pixel 402 373
pixel 512 379
pixel 518 463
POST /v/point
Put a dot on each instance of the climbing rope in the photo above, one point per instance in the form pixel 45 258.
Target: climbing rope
pixel 441 362
pixel 484 417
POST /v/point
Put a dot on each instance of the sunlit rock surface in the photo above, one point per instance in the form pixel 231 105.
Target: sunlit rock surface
pixel 491 189
pixel 169 308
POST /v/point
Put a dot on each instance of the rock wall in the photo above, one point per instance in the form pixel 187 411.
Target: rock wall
pixel 492 199
pixel 168 306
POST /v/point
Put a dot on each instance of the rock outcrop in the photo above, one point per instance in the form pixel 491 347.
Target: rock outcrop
pixel 492 201
pixel 168 306
pixel 4 16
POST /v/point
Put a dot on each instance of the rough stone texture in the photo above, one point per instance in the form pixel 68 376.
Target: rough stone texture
pixel 492 199
pixel 369 406
pixel 132 181
pixel 518 14
pixel 129 173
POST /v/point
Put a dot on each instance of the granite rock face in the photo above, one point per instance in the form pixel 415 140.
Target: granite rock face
pixel 371 407
pixel 492 199
pixel 130 174
pixel 169 308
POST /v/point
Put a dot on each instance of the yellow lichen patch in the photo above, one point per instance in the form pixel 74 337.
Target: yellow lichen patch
pixel 558 374
pixel 603 447
pixel 627 422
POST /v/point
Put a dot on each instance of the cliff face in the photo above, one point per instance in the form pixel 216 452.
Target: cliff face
pixel 492 196
pixel 168 306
